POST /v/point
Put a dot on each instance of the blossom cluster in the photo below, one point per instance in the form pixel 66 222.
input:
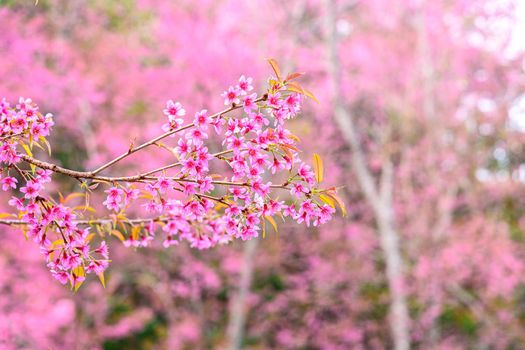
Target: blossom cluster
pixel 261 176
pixel 65 245
pixel 256 147
pixel 23 120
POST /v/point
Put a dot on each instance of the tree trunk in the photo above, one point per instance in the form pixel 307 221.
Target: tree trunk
pixel 238 304
pixel 389 240
pixel 379 197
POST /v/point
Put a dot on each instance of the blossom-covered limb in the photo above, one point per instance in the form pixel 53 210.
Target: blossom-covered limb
pixel 187 200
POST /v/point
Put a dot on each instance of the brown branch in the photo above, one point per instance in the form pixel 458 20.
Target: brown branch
pixel 7 137
pixel 57 169
pixel 135 178
pixel 14 222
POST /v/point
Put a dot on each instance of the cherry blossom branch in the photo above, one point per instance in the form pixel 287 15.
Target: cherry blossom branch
pixel 7 137
pixel 166 134
pixel 14 222
pixel 248 203
pixel 135 178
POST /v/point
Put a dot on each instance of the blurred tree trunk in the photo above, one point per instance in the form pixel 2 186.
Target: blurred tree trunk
pixel 238 311
pixel 429 111
pixel 378 196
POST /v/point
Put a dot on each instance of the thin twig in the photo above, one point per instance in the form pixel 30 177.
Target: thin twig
pixel 166 134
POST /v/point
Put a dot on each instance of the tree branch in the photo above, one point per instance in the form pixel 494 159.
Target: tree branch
pixel 14 222
pixel 166 134
pixel 135 178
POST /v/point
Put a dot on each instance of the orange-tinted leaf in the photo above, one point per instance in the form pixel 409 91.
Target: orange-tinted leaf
pixel 135 232
pixel 79 272
pixel 339 202
pixel 293 76
pixel 311 95
pixel 145 195
pixel 48 146
pixel 318 167
pixel 24 231
pixel 273 82
pixel 285 145
pixel 29 153
pixel 38 145
pixel 118 234
pixel 327 200
pixel 27 149
pixel 272 222
pixel 71 196
pixel 275 68
pixel 57 242
pixel 54 244
pixel 293 137
pixel 287 151
pixel 220 206
pixel 295 88
pixel 101 278
pixel 122 226
pixel 84 208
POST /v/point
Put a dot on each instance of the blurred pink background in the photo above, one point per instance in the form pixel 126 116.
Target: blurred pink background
pixel 420 119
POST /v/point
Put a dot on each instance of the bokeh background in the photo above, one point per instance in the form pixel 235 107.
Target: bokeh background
pixel 421 119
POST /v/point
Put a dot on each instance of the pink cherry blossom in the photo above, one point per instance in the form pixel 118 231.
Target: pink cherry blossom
pixel 231 96
pixel 245 84
pixel 249 103
pixel 9 183
pixel 202 120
